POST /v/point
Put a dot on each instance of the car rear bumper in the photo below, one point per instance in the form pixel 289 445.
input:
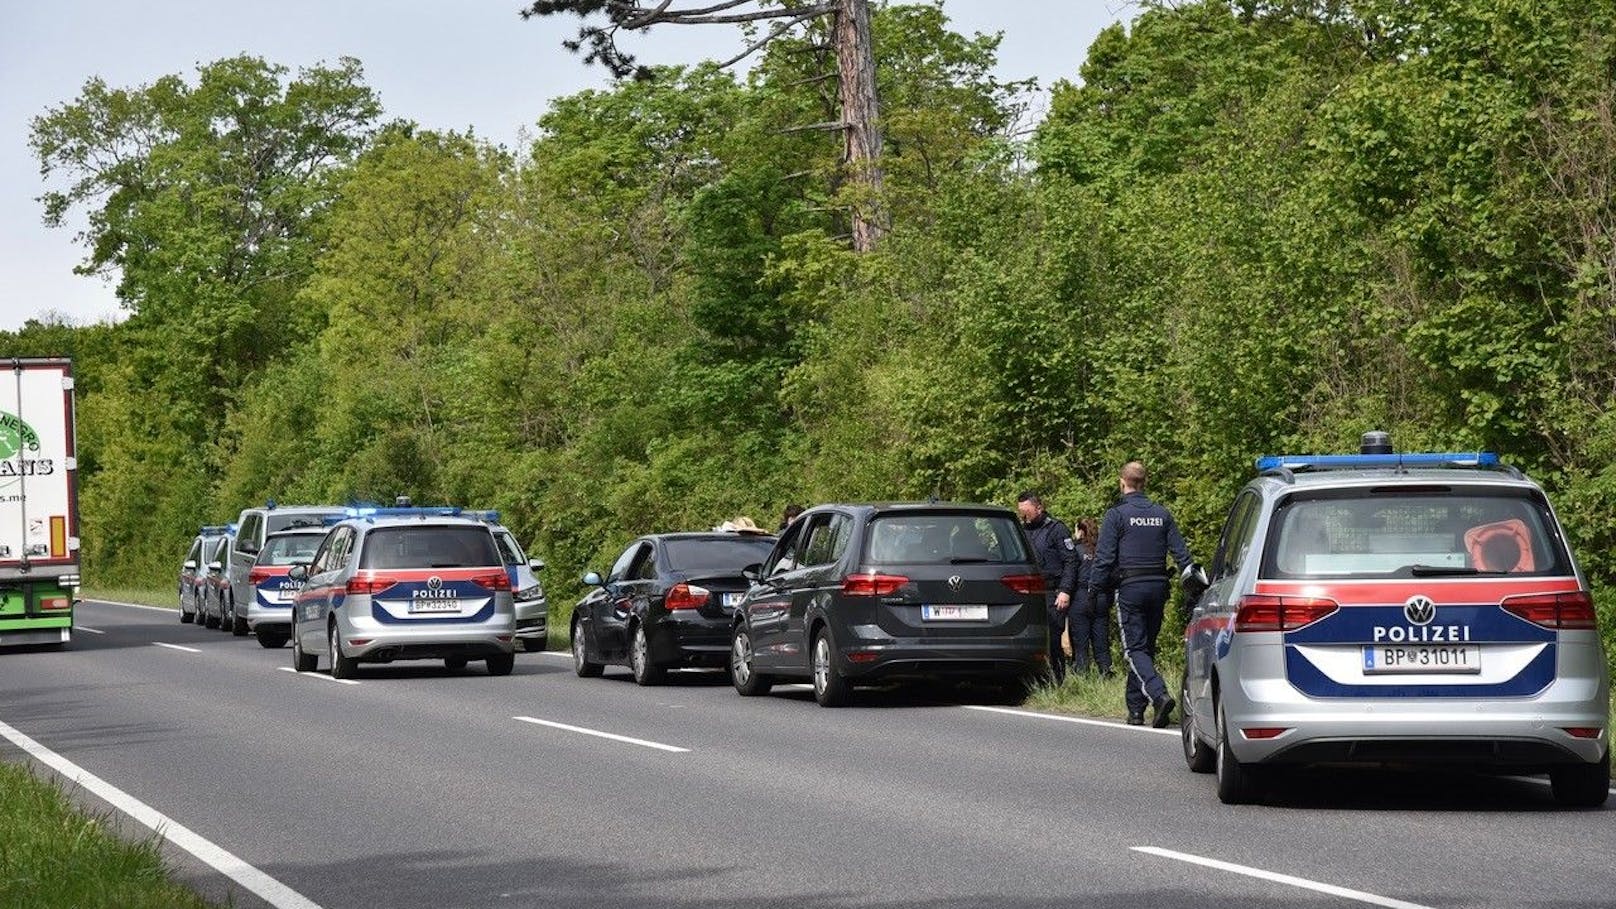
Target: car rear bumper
pixel 384 643
pixel 690 640
pixel 277 618
pixel 886 658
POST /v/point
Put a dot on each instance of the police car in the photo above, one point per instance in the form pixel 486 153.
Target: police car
pixel 269 607
pixel 1395 608
pixel 404 584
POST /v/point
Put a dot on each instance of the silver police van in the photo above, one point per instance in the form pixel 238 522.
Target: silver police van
pixel 404 584
pixel 1395 609
pixel 253 526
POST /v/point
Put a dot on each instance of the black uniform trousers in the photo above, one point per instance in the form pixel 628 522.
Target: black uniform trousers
pixel 1140 604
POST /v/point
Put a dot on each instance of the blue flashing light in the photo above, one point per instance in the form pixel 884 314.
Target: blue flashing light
pixel 1479 459
pixel 413 511
pixel 486 515
pixel 209 530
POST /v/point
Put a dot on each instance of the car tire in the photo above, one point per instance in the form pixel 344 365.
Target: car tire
pixel 1582 785
pixel 186 618
pixel 501 664
pixel 580 654
pixel 208 621
pixel 1237 782
pixel 302 662
pixel 238 623
pixel 342 667
pixel 646 672
pixel 1197 754
pixel 831 688
pixel 269 640
pixel 455 663
pixel 743 672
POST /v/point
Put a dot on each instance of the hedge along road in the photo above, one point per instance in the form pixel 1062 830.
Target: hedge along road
pixel 423 787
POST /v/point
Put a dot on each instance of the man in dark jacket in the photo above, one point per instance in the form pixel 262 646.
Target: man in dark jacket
pixel 1136 537
pixel 1052 546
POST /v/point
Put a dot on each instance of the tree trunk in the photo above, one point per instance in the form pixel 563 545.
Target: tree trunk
pixel 855 65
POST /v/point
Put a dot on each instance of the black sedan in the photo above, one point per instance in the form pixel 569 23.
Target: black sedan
pixel 666 604
pixel 856 594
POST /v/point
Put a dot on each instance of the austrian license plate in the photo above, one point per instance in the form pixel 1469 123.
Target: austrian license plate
pixel 419 607
pixel 731 600
pixel 973 613
pixel 1390 658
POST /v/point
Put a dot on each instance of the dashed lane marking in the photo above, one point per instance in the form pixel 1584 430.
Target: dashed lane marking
pixel 316 675
pixel 603 735
pixel 87 629
pixel 1286 879
pixel 175 647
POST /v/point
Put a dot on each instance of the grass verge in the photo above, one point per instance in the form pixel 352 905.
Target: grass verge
pixel 1093 696
pixel 166 597
pixel 52 854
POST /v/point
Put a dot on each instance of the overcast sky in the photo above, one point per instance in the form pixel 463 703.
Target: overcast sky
pixel 469 64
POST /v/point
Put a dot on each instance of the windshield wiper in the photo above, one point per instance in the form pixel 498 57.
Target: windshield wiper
pixel 1447 571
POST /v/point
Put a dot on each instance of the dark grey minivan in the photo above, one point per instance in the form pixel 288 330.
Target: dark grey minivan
pixel 855 594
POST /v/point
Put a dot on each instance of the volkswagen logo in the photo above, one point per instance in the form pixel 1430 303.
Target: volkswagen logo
pixel 1419 610
pixel 956 582
pixel 435 582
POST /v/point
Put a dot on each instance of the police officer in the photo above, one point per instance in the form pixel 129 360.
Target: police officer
pixel 1136 537
pixel 1057 559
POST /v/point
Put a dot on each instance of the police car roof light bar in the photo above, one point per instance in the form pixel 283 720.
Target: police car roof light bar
pixel 414 511
pixel 214 529
pixel 1482 460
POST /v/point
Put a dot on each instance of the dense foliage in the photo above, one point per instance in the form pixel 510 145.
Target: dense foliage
pixel 1254 226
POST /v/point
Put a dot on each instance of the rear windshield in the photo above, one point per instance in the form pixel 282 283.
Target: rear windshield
pixel 429 547
pixel 284 521
pixel 943 539
pixel 295 549
pixel 722 554
pixel 1411 532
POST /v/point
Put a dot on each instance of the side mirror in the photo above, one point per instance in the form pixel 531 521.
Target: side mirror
pixel 298 572
pixel 536 564
pixel 190 565
pixel 215 566
pixel 753 572
pixel 591 579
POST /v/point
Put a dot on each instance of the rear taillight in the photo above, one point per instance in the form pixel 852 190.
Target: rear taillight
pixel 1266 612
pixel 259 575
pixel 367 584
pixel 1025 584
pixel 1582 732
pixel 1263 732
pixel 872 584
pixel 55 602
pixel 494 580
pixel 1567 611
pixel 687 596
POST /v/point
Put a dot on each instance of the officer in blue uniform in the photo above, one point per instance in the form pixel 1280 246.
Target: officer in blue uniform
pixel 1057 558
pixel 1136 537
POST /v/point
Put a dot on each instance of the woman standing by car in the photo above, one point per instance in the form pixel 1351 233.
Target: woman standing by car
pixel 1086 622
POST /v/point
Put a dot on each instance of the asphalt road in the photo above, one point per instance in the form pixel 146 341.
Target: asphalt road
pixel 420 787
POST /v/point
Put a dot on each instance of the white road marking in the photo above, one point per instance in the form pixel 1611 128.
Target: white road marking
pixel 87 629
pixel 316 675
pixel 265 887
pixel 175 647
pixel 604 735
pixel 133 605
pixel 1070 719
pixel 1286 879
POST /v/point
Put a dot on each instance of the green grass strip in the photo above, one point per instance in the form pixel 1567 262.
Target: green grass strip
pixel 54 855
